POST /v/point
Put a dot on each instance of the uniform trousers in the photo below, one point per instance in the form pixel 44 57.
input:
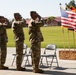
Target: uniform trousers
pixel 36 52
pixel 3 52
pixel 19 52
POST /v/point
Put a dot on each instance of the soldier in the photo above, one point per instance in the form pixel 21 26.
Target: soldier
pixel 3 41
pixel 35 38
pixel 17 26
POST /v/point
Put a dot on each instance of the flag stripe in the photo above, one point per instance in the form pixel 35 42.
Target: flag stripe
pixel 68 19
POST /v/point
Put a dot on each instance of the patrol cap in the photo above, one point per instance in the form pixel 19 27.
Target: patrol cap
pixel 1 17
pixel 31 12
pixel 15 14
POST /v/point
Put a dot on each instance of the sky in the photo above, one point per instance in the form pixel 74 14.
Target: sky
pixel 45 8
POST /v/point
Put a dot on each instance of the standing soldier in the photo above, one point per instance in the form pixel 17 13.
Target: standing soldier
pixel 35 38
pixel 17 26
pixel 3 41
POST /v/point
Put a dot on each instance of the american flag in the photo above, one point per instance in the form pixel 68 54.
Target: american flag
pixel 68 19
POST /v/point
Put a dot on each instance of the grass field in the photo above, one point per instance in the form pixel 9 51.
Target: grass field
pixel 52 35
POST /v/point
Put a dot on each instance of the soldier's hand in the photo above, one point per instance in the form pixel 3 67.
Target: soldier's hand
pixel 6 39
pixel 38 16
pixel 33 24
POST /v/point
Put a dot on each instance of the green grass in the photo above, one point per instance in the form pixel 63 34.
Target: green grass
pixel 52 35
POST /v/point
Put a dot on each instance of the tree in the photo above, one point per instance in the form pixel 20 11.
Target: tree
pixel 72 3
pixel 50 19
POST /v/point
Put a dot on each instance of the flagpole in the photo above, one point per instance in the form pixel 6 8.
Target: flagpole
pixel 68 40
pixel 63 31
pixel 63 38
pixel 74 39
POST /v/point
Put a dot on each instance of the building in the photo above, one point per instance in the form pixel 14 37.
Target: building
pixel 56 21
pixel 52 22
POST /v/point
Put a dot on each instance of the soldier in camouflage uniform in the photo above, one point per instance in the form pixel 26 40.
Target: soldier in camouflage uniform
pixel 35 38
pixel 3 41
pixel 17 26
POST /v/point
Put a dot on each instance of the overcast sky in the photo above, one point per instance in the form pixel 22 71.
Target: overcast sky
pixel 43 7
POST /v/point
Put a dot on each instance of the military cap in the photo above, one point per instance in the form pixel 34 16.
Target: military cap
pixel 32 12
pixel 15 14
pixel 1 17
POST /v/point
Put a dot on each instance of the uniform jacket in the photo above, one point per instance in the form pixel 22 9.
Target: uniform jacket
pixel 34 31
pixel 17 27
pixel 3 34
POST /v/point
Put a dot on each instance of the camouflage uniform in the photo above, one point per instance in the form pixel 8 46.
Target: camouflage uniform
pixel 17 27
pixel 3 46
pixel 35 38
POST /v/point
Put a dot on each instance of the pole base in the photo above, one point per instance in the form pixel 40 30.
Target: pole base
pixel 67 55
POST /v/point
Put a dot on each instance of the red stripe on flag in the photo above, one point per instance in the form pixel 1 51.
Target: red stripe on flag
pixel 69 21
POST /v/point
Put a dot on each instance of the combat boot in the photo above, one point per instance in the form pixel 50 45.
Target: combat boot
pixel 38 71
pixel 3 67
pixel 21 69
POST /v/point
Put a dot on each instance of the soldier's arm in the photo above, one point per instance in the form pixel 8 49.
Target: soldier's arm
pixel 5 24
pixel 40 23
pixel 18 22
pixel 23 22
pixel 39 20
pixel 6 37
pixel 13 26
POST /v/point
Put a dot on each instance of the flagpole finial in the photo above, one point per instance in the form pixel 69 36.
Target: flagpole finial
pixel 60 4
pixel 65 3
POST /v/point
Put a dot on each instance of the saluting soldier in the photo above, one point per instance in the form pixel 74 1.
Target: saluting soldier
pixel 3 42
pixel 36 38
pixel 17 26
